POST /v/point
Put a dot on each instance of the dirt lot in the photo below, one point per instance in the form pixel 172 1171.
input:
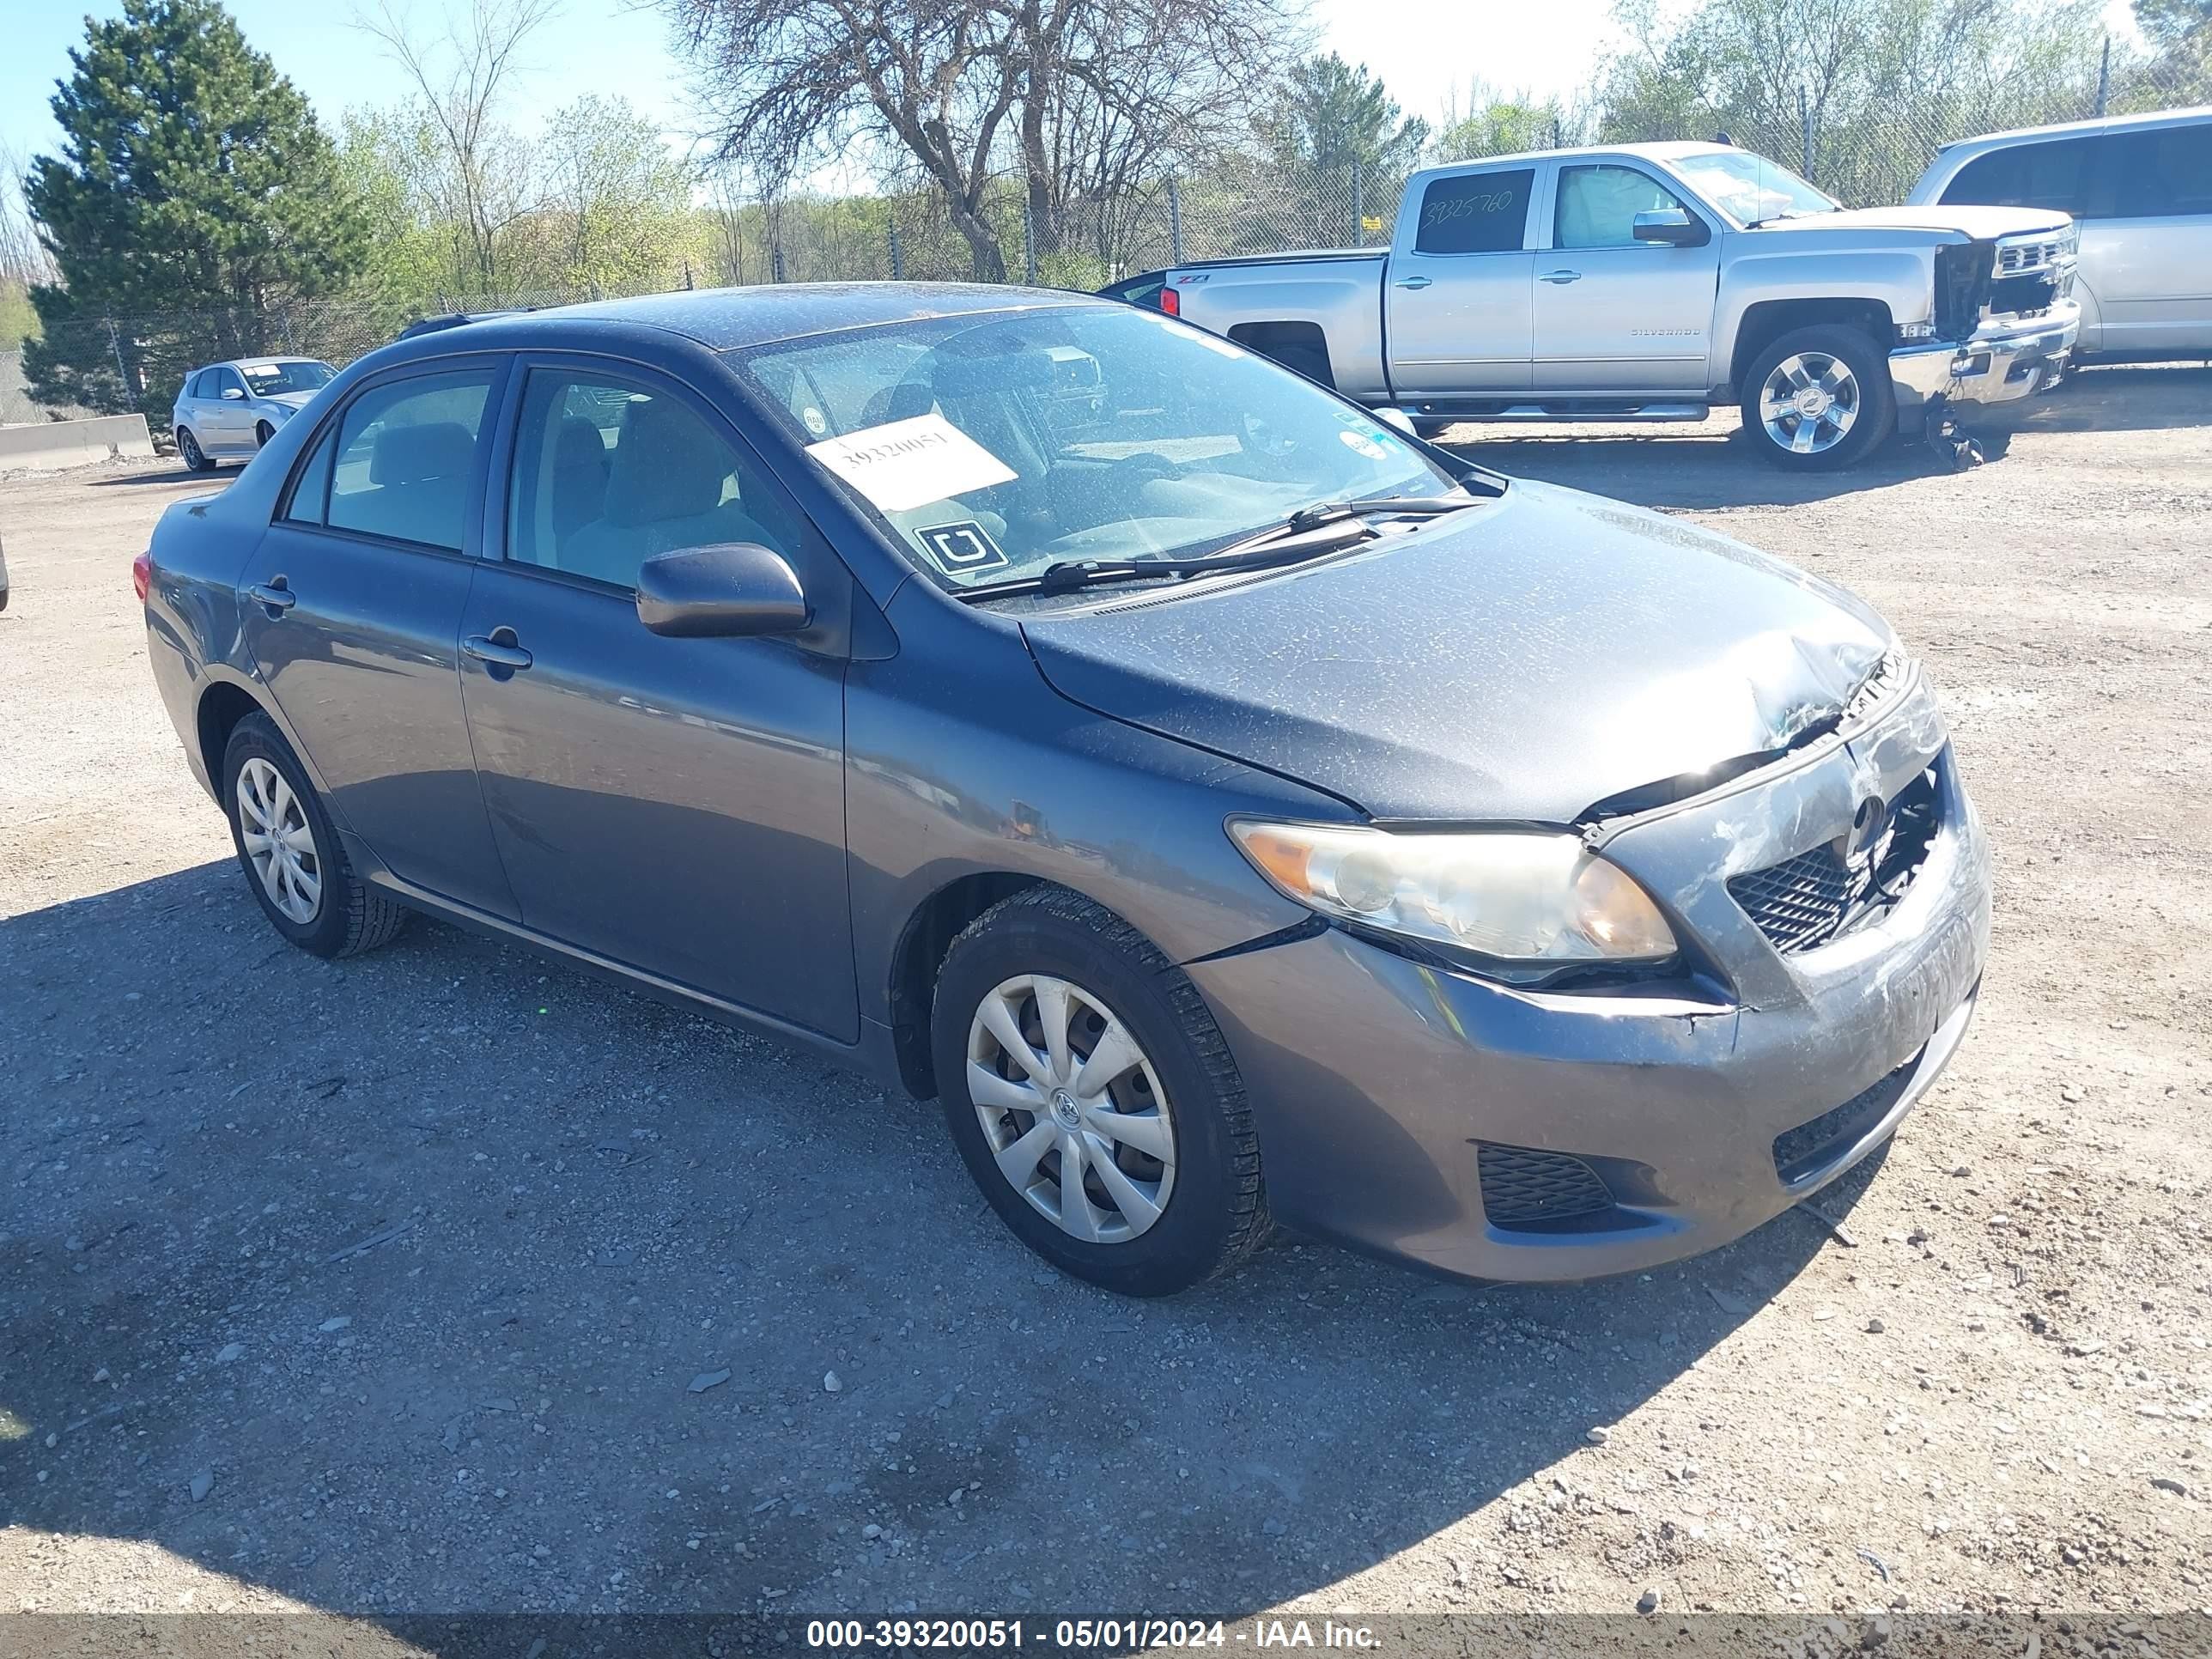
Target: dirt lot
pixel 590 1205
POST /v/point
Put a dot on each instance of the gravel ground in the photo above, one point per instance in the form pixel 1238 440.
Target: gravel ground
pixel 447 1279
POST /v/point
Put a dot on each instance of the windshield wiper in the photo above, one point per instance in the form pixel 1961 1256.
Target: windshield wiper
pixel 1320 528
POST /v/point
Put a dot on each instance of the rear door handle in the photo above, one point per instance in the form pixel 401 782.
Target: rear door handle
pixel 1415 282
pixel 500 648
pixel 1561 276
pixel 275 593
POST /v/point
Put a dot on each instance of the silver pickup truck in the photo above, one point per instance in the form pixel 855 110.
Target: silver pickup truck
pixel 1654 282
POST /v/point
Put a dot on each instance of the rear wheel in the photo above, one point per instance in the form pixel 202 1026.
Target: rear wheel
pixel 289 849
pixel 1819 398
pixel 1093 1098
pixel 188 447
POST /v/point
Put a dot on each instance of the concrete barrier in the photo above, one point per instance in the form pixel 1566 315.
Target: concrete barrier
pixel 48 446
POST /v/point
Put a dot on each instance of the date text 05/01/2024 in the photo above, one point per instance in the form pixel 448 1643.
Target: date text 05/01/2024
pixel 1120 1635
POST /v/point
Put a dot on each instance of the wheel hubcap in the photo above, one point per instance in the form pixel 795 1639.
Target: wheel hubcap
pixel 279 844
pixel 1809 402
pixel 1071 1108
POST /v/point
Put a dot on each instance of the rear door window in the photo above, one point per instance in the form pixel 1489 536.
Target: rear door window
pixel 2057 175
pixel 404 455
pixel 1475 213
pixel 2165 172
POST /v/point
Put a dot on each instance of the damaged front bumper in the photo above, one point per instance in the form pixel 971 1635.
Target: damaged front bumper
pixel 1996 365
pixel 1490 1132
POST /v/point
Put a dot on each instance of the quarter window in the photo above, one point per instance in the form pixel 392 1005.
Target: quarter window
pixel 2162 173
pixel 399 462
pixel 609 473
pixel 1475 213
pixel 1598 205
pixel 2057 175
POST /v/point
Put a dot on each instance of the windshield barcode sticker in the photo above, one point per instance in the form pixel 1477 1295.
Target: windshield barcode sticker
pixel 904 464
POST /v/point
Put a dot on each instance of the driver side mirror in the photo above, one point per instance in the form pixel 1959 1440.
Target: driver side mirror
pixel 725 590
pixel 234 395
pixel 1674 227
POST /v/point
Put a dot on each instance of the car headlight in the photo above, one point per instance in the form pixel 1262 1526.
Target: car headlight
pixel 1540 900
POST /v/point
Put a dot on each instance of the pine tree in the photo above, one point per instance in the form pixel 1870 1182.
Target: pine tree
pixel 193 183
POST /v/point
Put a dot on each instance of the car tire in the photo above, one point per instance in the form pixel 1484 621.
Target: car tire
pixel 1180 1095
pixel 263 784
pixel 188 447
pixel 262 432
pixel 1433 426
pixel 1838 371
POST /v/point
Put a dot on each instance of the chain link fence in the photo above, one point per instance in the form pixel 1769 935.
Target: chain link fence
pixel 1241 204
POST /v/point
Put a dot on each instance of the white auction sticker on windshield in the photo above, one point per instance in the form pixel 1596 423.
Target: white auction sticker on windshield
pixel 909 463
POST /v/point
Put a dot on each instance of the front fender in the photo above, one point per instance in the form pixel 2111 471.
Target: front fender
pixel 1900 280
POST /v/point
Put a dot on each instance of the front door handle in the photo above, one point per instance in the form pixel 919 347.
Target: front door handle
pixel 1415 282
pixel 275 593
pixel 501 648
pixel 1561 276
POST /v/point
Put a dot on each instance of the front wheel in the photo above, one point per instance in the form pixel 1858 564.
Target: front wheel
pixel 1819 398
pixel 1093 1098
pixel 262 432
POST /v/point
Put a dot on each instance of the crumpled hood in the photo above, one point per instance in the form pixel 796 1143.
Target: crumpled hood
pixel 1982 223
pixel 290 399
pixel 1521 662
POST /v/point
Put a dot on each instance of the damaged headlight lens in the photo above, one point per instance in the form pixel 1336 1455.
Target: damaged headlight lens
pixel 1542 900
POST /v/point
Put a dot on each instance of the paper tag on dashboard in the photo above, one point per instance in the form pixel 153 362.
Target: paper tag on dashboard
pixel 909 464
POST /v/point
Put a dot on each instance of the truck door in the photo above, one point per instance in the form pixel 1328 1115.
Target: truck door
pixel 1456 294
pixel 1612 314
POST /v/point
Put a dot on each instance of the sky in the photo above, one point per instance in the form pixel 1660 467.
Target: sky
pixel 1425 51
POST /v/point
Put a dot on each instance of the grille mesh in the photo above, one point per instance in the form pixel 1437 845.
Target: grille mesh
pixel 1806 902
pixel 1521 1185
pixel 1800 1151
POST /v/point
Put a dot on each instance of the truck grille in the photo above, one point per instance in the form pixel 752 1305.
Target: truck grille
pixel 2017 258
pixel 1817 897
pixel 1521 1185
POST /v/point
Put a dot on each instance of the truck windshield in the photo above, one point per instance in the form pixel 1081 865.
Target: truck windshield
pixel 1751 188
pixel 991 447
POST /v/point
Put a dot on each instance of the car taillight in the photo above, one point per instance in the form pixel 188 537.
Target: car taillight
pixel 142 574
pixel 1170 301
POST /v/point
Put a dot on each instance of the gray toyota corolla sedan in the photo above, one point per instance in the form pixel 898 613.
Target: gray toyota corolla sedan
pixel 1231 808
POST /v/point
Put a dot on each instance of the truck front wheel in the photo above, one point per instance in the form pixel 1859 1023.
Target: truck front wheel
pixel 1819 398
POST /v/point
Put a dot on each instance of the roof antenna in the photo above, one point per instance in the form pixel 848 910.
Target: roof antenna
pixel 1722 137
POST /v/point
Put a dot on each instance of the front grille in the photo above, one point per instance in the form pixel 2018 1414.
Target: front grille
pixel 2014 258
pixel 2023 296
pixel 1806 1149
pixel 1521 1185
pixel 1817 897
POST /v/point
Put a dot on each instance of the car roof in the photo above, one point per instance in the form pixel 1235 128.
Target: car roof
pixel 1668 150
pixel 730 318
pixel 2067 129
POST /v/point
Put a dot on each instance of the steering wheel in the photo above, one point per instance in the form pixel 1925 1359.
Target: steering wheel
pixel 1146 464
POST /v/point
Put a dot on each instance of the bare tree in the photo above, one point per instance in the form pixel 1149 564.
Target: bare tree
pixel 1072 93
pixel 24 257
pixel 461 70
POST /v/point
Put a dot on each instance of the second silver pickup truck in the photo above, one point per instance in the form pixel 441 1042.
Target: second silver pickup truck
pixel 1655 281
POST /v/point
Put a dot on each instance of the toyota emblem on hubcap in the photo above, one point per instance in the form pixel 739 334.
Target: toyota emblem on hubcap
pixel 1064 1109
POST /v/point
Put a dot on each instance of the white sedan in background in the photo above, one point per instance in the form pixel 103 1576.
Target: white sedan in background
pixel 227 411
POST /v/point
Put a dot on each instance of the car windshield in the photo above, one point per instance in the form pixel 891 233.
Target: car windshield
pixel 993 447
pixel 1751 188
pixel 267 380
